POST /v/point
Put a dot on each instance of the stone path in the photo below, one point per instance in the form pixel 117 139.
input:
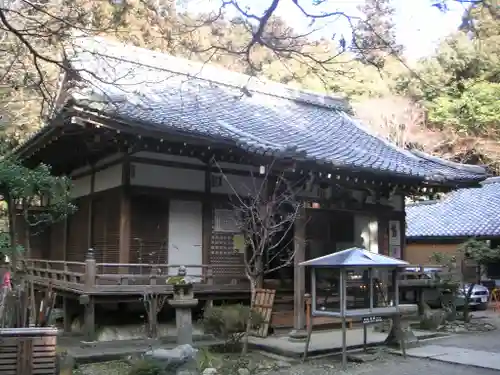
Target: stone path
pixel 480 350
pixel 458 356
pixel 323 342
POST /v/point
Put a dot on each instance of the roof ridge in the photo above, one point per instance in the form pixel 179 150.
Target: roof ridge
pixel 424 203
pixel 491 180
pixel 109 48
pixel 448 163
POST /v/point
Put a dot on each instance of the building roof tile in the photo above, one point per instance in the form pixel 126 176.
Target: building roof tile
pixel 166 93
pixel 472 212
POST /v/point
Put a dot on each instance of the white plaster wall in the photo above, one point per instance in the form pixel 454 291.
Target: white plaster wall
pixel 166 157
pixel 167 177
pixel 101 162
pixel 105 179
pixel 81 186
pixel 108 178
pixel 366 232
pixel 193 161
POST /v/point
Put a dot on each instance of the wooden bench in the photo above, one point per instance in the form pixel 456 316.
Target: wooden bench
pixel 28 351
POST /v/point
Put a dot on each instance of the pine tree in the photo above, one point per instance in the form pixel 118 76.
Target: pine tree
pixel 374 37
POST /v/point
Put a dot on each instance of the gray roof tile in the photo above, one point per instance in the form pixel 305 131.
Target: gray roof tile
pixel 166 93
pixel 470 212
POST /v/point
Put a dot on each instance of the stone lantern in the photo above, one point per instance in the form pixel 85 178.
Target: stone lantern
pixel 183 302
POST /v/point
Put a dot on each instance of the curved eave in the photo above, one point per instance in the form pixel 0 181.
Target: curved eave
pixel 45 134
pixel 125 125
pixel 35 142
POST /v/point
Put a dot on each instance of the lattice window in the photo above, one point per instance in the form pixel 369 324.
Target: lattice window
pixel 225 221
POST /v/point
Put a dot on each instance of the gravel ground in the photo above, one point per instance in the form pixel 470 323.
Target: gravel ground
pixel 392 365
pixel 386 364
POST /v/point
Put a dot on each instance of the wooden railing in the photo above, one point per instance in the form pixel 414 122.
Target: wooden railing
pixel 91 277
pixel 130 278
pixel 69 275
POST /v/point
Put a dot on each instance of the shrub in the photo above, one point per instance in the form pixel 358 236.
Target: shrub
pixel 229 322
pixel 147 367
pixel 205 359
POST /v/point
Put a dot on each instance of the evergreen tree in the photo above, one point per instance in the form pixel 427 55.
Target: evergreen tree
pixel 374 37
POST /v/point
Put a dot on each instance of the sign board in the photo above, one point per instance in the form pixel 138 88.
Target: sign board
pixel 225 221
pixel 395 251
pixel 372 319
pixel 394 232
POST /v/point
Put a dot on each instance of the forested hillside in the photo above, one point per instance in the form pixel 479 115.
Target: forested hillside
pixel 447 104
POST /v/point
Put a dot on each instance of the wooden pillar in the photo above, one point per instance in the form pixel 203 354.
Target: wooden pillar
pixel 88 300
pixel 65 239
pixel 89 320
pixel 124 241
pixel 207 217
pixel 383 235
pixel 67 314
pixel 299 272
pixel 90 221
pixel 125 217
pixel 153 308
pixel 207 223
pixel 403 231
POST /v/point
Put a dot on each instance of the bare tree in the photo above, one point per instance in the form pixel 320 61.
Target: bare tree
pixel 397 119
pixel 265 217
pixel 35 34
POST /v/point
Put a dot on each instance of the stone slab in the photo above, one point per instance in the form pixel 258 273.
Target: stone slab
pixel 100 353
pixel 426 351
pixel 455 355
pixel 325 342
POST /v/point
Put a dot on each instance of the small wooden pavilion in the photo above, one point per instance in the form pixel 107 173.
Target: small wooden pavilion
pixel 138 132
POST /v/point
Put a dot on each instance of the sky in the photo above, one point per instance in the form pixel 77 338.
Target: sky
pixel 419 26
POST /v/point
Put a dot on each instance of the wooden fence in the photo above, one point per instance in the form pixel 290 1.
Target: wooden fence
pixel 28 351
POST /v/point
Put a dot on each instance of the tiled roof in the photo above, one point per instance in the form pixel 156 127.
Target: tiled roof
pixel 166 93
pixel 473 212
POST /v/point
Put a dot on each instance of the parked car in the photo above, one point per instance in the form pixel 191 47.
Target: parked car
pixel 479 297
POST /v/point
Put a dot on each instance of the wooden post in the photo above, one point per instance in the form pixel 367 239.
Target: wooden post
pixel 89 303
pixel 125 228
pixel 383 235
pixel 299 277
pixel 153 303
pixel 308 310
pixel 67 315
pixel 89 319
pixel 90 220
pixel 209 277
pixel 207 218
pixel 420 291
pixel 65 238
pixel 90 271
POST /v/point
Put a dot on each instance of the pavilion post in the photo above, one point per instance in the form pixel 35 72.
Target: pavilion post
pixel 299 272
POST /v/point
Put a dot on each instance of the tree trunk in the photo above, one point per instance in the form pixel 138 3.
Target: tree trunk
pixel 11 207
pixel 253 287
pixel 467 294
